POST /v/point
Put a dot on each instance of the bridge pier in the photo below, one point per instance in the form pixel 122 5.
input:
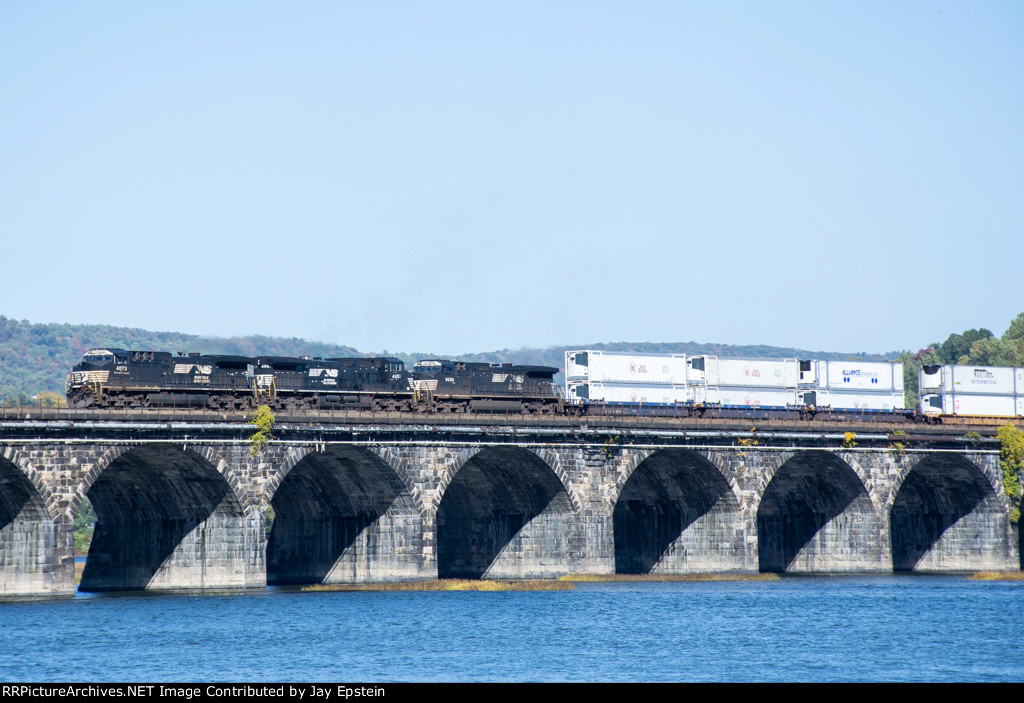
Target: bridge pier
pixel 168 519
pixel 678 511
pixel 36 550
pixel 34 560
pixel 817 516
pixel 949 515
pixel 505 511
pixel 344 514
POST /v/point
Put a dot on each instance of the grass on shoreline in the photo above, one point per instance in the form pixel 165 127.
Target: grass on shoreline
pixel 564 583
pixel 997 576
pixel 446 585
pixel 646 578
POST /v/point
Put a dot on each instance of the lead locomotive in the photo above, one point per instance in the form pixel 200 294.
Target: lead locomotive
pixel 141 379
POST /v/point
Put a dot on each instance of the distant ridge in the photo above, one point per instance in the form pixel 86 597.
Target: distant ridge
pixel 38 357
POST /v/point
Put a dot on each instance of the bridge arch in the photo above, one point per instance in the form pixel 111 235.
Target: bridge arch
pixel 401 469
pixel 30 556
pixel 815 515
pixel 676 512
pixel 343 514
pixel 168 518
pixel 777 461
pixel 214 459
pixel 34 479
pixel 290 457
pixel 505 512
pixel 947 514
pixel 550 459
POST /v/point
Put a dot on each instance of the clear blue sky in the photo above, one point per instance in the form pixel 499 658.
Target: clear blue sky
pixel 456 177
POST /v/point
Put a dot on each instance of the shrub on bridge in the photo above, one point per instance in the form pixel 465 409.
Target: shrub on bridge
pixel 1011 458
pixel 264 422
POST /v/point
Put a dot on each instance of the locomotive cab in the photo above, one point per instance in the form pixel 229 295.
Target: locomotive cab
pixel 427 374
pixel 96 367
pixel 392 373
pixel 106 375
pixel 89 376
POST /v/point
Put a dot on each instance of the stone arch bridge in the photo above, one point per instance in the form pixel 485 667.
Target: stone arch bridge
pixel 184 505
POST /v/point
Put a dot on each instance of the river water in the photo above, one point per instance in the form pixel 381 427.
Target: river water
pixel 879 628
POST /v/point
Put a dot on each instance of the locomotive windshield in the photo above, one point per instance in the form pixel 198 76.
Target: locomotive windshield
pixel 427 366
pixel 98 356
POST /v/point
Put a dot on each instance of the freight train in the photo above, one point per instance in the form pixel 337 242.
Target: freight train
pixel 597 382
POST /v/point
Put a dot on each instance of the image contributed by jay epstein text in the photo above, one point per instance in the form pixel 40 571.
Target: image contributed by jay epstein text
pixel 191 692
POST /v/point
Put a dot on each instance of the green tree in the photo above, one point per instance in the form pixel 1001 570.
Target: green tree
pixel 1016 328
pixel 958 346
pixel 990 352
pixel 263 419
pixel 1013 340
pixel 85 519
pixel 911 372
pixel 268 520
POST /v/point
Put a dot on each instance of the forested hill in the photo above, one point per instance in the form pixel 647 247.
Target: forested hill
pixel 38 357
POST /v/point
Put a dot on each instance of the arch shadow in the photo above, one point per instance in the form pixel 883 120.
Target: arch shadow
pixel 493 496
pixel 806 492
pixel 147 500
pixel 18 497
pixel 322 506
pixel 939 491
pixel 666 493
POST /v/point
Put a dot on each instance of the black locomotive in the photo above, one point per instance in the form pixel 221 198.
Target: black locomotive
pixel 140 379
pixel 486 387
